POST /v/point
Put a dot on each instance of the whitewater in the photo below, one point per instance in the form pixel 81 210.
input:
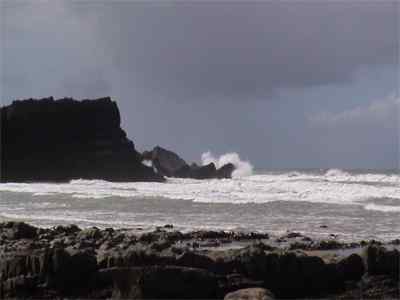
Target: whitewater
pixel 353 204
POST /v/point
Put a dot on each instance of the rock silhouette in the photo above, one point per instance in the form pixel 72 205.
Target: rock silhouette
pixel 48 140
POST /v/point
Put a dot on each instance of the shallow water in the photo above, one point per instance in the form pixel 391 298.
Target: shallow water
pixel 354 205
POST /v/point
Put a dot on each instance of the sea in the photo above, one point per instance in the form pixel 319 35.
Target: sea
pixel 351 205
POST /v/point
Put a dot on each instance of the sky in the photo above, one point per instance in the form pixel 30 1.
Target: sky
pixel 285 84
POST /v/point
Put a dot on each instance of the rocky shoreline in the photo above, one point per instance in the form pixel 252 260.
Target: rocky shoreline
pixel 67 261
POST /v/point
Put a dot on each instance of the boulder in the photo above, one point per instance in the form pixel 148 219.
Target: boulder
pixel 287 275
pixel 381 261
pixel 351 268
pixel 92 233
pixel 71 270
pixel 159 282
pixel 235 281
pixel 48 140
pixel 250 294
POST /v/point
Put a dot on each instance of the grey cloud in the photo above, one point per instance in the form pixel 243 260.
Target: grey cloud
pixel 49 50
pixel 239 50
pixel 201 50
pixel 383 112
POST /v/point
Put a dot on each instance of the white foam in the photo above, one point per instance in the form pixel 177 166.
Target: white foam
pixel 331 187
pixel 147 163
pixel 382 208
pixel 242 168
pixel 340 175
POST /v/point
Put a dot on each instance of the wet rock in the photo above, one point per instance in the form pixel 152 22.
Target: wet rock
pixel 160 282
pixel 195 260
pixel 288 274
pixel 204 172
pixel 381 261
pixel 160 234
pixel 351 268
pixel 292 235
pixel 225 171
pixel 395 242
pixel 92 233
pixel 19 287
pixel 250 261
pixel 299 246
pixel 15 264
pixel 18 230
pixel 235 281
pixel 161 245
pixel 250 294
pixel 66 230
pixel 306 239
pixel 71 270
pixel 329 245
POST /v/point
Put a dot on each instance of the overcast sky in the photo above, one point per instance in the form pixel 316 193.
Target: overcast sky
pixel 286 84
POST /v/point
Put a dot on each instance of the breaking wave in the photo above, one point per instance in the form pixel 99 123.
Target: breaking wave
pixel 331 187
pixel 242 168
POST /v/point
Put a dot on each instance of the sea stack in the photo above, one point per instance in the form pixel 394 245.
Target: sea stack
pixel 170 164
pixel 60 140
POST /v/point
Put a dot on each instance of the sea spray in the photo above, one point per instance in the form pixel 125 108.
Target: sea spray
pixel 147 163
pixel 336 173
pixel 242 168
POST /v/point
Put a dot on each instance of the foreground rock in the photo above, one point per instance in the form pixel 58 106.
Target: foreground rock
pixel 47 140
pixel 66 261
pixel 170 164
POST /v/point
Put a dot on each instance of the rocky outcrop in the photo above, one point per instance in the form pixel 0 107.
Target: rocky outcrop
pixel 166 162
pixel 169 164
pixel 48 140
pixel 67 262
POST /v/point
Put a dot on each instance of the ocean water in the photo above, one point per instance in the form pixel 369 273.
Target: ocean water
pixel 354 205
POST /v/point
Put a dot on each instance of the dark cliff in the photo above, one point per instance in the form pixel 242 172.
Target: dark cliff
pixel 48 140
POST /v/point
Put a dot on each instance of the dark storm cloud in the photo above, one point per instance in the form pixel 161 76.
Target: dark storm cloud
pixel 243 50
pixel 207 49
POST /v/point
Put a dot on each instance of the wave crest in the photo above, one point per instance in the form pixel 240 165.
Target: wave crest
pixel 242 167
pixel 336 173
